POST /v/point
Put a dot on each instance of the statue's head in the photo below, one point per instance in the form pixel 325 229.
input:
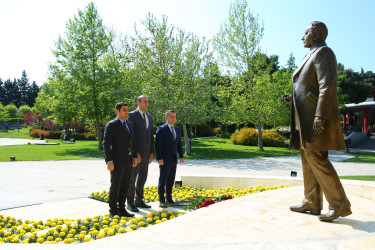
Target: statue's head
pixel 316 32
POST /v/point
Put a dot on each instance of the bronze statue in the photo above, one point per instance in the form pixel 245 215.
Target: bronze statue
pixel 315 126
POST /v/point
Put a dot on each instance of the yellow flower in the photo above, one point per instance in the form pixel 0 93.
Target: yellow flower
pixel 164 219
pixel 87 239
pixel 110 232
pixel 158 221
pixel 133 221
pixel 62 234
pixel 58 240
pixel 101 235
pixel 81 236
pixel 49 238
pixel 140 218
pixel 133 226
pixel 153 212
pixel 40 240
pixel 149 220
pixel 42 236
pixel 72 231
pixel 163 215
pixel 122 230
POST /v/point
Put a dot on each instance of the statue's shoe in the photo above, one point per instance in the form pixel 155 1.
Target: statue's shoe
pixel 303 208
pixel 334 214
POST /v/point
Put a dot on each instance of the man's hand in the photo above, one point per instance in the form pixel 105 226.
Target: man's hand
pixel 287 98
pixel 151 158
pixel 182 160
pixel 318 125
pixel 135 162
pixel 161 162
pixel 110 166
pixel 139 158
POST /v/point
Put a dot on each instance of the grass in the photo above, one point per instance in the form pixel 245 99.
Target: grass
pixel 63 151
pixel 214 148
pixel 359 177
pixel 362 157
pixel 23 133
pixel 220 148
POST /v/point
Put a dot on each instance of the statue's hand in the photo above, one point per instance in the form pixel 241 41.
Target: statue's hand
pixel 287 98
pixel 318 125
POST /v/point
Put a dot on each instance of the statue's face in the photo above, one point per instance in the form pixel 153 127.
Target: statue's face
pixel 308 38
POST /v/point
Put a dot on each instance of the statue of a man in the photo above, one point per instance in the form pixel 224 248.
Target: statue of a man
pixel 315 126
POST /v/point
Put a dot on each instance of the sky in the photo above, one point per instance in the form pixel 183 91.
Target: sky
pixel 29 28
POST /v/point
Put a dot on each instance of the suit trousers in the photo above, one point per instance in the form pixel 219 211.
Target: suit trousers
pixel 166 180
pixel 319 175
pixel 138 180
pixel 120 179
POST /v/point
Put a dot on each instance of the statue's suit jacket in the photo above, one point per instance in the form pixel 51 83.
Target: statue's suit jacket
pixel 315 94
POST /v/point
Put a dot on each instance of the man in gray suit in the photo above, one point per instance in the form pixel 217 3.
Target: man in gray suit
pixel 144 140
pixel 315 126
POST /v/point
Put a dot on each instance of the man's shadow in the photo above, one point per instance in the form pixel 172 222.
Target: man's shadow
pixel 365 226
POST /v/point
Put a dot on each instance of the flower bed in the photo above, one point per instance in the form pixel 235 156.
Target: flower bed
pixel 187 193
pixel 70 231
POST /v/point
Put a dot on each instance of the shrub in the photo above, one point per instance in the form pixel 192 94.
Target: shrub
pixel 249 137
pixel 37 132
pixel 217 131
pixel 54 134
pixel 272 139
pixel 204 130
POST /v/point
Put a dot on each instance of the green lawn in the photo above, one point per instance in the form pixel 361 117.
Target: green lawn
pixel 363 157
pixel 215 148
pixel 359 177
pixel 22 134
pixel 63 151
pixel 219 148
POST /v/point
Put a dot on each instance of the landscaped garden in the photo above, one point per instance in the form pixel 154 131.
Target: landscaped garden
pixel 74 231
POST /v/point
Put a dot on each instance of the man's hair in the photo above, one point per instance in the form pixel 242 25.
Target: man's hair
pixel 319 30
pixel 168 112
pixel 119 105
pixel 139 99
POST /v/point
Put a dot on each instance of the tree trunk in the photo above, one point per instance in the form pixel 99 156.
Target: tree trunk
pixel 99 133
pixel 187 141
pixel 260 139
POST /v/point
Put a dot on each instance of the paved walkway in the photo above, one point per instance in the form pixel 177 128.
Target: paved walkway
pixel 12 141
pixel 34 182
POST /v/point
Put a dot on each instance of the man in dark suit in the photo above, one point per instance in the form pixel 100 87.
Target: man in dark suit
pixel 120 152
pixel 144 137
pixel 168 144
pixel 315 126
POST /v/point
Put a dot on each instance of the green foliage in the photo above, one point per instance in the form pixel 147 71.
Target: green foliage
pixel 249 137
pixel 359 178
pixel 364 157
pixel 4 115
pixel 204 130
pixel 11 110
pixel 217 130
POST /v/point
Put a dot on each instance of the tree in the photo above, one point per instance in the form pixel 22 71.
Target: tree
pixel 169 64
pixel 255 98
pixel 291 63
pixel 23 86
pixel 32 94
pixel 4 115
pixel 11 92
pixel 353 86
pixel 83 81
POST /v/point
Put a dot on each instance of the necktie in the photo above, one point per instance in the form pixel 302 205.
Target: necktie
pixel 126 128
pixel 173 133
pixel 144 119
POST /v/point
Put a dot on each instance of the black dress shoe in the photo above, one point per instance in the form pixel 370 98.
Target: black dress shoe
pixel 171 202
pixel 334 214
pixel 113 213
pixel 302 208
pixel 142 205
pixel 132 208
pixel 162 204
pixel 126 214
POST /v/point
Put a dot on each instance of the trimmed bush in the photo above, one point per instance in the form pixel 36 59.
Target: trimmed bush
pixel 54 135
pixel 217 131
pixel 249 137
pixel 204 130
pixel 35 133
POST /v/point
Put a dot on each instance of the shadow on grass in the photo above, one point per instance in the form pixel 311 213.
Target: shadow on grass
pixel 82 152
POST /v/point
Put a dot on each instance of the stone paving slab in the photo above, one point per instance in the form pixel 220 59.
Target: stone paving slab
pixel 13 141
pixel 257 221
pixel 35 182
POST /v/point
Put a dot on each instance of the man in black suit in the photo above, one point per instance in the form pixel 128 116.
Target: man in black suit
pixel 120 152
pixel 144 137
pixel 168 144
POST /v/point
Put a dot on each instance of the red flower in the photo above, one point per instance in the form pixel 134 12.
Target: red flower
pixel 230 196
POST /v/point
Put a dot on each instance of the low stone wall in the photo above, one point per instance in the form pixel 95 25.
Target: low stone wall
pixel 365 189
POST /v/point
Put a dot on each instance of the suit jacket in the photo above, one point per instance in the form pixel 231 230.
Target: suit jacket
pixel 166 147
pixel 144 138
pixel 315 94
pixel 118 143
